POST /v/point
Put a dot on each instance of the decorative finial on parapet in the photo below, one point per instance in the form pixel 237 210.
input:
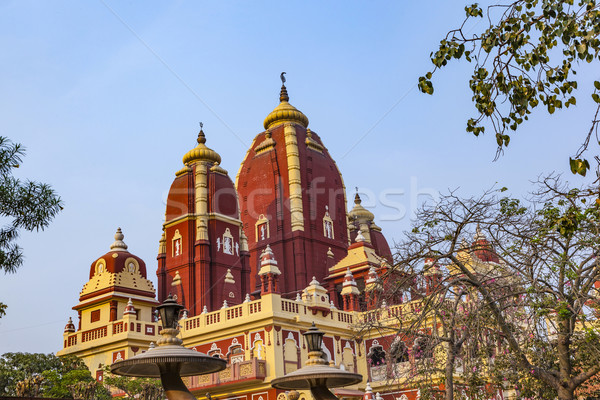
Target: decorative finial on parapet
pixel 119 245
pixel 129 308
pixel 70 327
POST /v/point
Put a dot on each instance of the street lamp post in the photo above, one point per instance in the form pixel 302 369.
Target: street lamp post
pixel 317 376
pixel 169 360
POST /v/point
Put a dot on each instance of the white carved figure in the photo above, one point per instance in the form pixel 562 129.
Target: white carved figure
pixel 218 244
pixel 177 246
pixel 227 245
pixel 237 249
pixel 328 229
pixel 263 231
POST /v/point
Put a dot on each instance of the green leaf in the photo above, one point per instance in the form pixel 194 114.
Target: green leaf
pixel 597 85
pixel 579 166
pixel 581 48
pixel 425 85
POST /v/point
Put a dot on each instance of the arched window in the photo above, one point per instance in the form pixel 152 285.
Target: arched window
pixel 399 351
pixel 236 354
pixel 376 355
pixel 422 348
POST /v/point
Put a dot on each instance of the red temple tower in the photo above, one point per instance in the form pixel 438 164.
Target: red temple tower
pixel 203 253
pixel 293 199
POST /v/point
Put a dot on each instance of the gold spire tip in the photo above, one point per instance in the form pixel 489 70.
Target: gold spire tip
pixel 201 136
pixel 283 95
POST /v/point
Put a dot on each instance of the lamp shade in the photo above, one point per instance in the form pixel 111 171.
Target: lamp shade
pixel 314 338
pixel 169 313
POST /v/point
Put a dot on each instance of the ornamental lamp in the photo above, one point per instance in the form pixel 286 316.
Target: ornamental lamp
pixel 169 313
pixel 169 360
pixel 314 338
pixel 317 375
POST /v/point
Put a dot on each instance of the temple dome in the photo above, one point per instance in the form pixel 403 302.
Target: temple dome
pixel 358 212
pixel 285 112
pixel 118 270
pixel 201 152
pixel 118 259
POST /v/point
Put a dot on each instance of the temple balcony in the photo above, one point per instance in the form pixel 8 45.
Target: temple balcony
pixel 236 374
pixel 116 330
pixel 271 305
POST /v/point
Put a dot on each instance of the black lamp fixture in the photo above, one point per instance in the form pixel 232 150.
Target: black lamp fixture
pixel 169 312
pixel 314 338
pixel 169 360
pixel 317 375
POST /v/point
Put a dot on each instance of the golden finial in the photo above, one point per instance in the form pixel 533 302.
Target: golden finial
pixel 283 95
pixel 201 152
pixel 201 137
pixel 285 112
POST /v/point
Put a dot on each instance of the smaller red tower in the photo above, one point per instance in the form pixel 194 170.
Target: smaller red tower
pixel 350 292
pixel 203 253
pixel 373 289
pixel 368 393
pixel 482 249
pixel 362 220
pixel 269 273
pixel 115 278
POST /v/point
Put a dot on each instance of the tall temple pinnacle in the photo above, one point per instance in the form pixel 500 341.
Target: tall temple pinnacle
pixel 285 112
pixel 201 152
pixel 283 95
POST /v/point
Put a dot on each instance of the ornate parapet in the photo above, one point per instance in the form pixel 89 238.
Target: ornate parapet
pixel 117 330
pixel 240 373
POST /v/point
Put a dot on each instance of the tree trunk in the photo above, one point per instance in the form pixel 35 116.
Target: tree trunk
pixel 450 358
pixel 565 393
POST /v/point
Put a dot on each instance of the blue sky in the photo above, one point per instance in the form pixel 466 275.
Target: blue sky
pixel 107 95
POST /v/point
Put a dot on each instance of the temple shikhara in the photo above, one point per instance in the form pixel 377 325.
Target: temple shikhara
pixel 254 260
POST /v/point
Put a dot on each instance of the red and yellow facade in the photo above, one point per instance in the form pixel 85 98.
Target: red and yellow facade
pixel 254 264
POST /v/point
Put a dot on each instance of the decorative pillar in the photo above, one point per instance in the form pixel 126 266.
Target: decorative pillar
pixel 201 189
pixel 113 310
pixel 294 177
